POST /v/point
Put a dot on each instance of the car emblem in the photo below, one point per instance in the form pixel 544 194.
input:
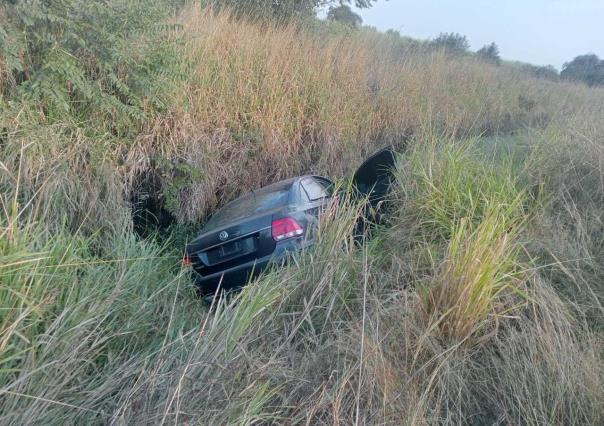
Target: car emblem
pixel 223 235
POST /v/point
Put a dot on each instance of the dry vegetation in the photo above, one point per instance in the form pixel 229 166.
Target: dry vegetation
pixel 246 105
pixel 480 302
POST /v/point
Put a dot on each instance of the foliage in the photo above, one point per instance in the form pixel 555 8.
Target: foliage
pixel 116 335
pixel 344 15
pixel 456 184
pixel 83 57
pixel 452 43
pixel 402 46
pixel 588 69
pixel 285 10
pixel 489 53
pixel 476 207
pixel 548 72
pixel 479 302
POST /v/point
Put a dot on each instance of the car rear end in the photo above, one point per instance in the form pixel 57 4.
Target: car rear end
pixel 246 236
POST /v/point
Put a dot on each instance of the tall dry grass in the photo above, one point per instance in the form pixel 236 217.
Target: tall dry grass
pixel 246 105
pixel 479 302
pixel 260 97
pixel 339 336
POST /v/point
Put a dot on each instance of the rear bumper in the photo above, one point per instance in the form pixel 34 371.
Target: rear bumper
pixel 240 275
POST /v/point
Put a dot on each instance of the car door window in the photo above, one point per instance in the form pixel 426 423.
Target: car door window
pixel 314 190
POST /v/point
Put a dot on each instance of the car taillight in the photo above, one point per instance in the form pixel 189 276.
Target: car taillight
pixel 186 260
pixel 286 228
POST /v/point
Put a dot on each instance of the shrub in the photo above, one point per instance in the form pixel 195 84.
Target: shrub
pixel 548 72
pixel 285 10
pixel 489 53
pixel 588 69
pixel 79 57
pixel 452 43
pixel 344 15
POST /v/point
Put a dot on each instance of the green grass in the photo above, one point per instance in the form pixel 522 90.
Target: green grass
pixel 344 333
pixel 479 301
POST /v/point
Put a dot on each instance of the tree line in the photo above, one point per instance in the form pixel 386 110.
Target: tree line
pixel 587 69
pixel 40 41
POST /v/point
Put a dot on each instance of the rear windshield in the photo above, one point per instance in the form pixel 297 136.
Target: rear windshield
pixel 253 203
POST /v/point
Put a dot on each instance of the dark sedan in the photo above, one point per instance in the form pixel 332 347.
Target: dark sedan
pixel 263 226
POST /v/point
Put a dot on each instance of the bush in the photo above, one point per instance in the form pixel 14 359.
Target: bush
pixel 452 43
pixel 489 53
pixel 285 10
pixel 588 69
pixel 547 72
pixel 344 15
pixel 81 58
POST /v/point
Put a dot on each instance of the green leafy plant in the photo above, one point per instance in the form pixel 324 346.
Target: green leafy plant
pixel 87 57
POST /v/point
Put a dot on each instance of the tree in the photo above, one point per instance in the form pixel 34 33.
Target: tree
pixel 344 15
pixel 547 72
pixel 283 9
pixel 361 4
pixel 87 56
pixel 267 9
pixel 453 43
pixel 588 69
pixel 489 53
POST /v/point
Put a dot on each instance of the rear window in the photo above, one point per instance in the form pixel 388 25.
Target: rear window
pixel 253 203
pixel 314 189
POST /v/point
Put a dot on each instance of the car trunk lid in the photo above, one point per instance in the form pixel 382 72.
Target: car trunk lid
pixel 234 244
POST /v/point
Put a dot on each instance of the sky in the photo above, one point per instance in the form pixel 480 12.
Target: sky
pixel 541 32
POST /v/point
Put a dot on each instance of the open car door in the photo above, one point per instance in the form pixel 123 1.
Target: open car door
pixel 374 179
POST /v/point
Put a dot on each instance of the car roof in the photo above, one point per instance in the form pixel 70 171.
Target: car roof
pixel 249 198
pixel 254 202
pixel 278 186
pixel 281 185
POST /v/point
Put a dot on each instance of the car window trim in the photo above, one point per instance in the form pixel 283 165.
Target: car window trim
pixel 308 199
pixel 323 189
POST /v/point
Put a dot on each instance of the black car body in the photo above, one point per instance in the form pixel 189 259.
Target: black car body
pixel 264 226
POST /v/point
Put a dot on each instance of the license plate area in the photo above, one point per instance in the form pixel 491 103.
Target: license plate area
pixel 229 251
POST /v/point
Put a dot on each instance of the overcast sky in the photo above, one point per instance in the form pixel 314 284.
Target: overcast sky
pixel 537 31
